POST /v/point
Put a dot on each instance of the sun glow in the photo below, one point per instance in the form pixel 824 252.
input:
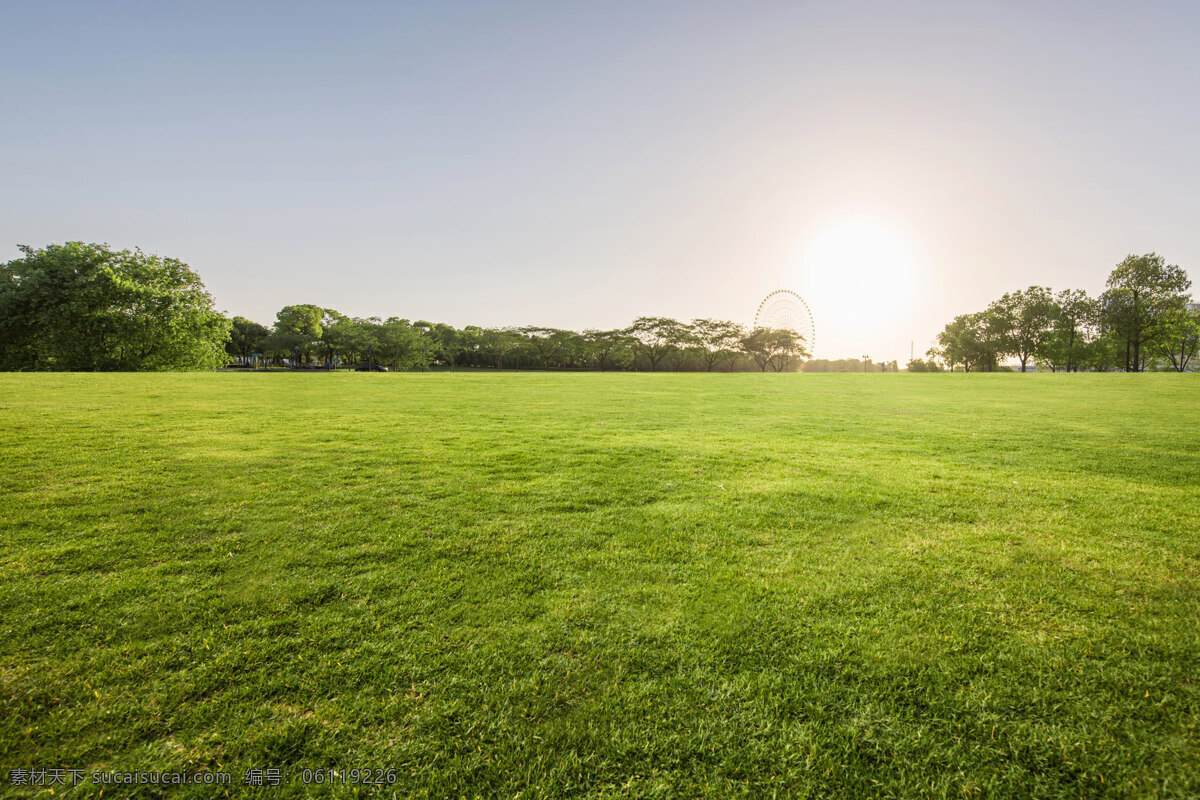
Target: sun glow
pixel 857 269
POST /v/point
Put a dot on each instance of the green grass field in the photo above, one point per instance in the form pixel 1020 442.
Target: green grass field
pixel 546 585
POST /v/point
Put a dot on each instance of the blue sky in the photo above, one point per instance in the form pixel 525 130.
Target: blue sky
pixel 580 164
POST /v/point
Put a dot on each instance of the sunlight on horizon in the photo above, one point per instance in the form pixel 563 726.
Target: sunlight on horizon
pixel 858 271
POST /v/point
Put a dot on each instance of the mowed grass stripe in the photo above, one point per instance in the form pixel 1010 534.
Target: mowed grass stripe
pixel 608 585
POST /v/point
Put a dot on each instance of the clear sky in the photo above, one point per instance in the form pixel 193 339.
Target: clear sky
pixel 580 164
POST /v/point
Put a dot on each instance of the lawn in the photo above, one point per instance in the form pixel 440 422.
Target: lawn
pixel 547 585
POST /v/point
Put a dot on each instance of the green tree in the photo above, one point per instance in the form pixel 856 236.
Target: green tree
pixel 1075 325
pixel 1180 338
pixel 1142 292
pixel 498 343
pixel 776 348
pixel 306 320
pixel 655 338
pixel 609 349
pixel 351 340
pixel 469 344
pixel 400 346
pixel 717 340
pixel 1104 353
pixel 571 349
pixel 445 341
pixel 279 346
pixel 971 341
pixel 547 346
pixel 81 306
pixel 245 338
pixel 757 346
pixel 788 347
pixel 297 332
pixel 1021 321
pixel 685 344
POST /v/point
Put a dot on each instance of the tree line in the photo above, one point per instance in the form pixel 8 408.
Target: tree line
pixel 1143 320
pixel 88 307
pixel 312 336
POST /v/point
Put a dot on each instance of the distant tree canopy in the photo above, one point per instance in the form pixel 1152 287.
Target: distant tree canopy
pixel 1141 321
pixel 87 307
pixel 308 335
pixel 857 365
pixel 917 365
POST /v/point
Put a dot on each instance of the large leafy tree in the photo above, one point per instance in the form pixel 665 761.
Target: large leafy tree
pixel 717 340
pixel 81 306
pixel 401 346
pixel 305 320
pixel 972 341
pixel 756 345
pixel 788 346
pixel 655 338
pixel 572 349
pixel 549 347
pixel 1105 353
pixel 304 330
pixel 1022 322
pixel 776 348
pixel 349 339
pixel 246 337
pixel 444 341
pixel 1142 293
pixel 468 343
pixel 1180 340
pixel 608 349
pixel 1074 327
pixel 498 343
pixel 297 333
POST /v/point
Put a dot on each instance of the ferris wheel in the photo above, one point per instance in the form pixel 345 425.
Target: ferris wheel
pixel 786 309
